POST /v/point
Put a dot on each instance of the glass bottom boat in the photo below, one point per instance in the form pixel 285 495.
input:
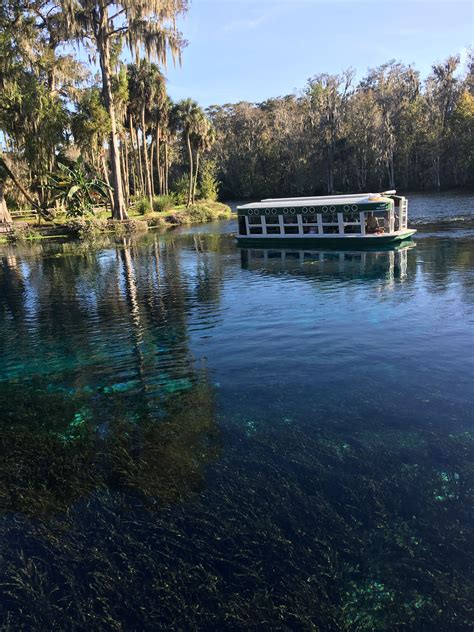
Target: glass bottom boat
pixel 359 220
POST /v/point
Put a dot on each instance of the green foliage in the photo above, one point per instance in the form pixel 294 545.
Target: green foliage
pixel 205 212
pixel 180 189
pixel 77 190
pixel 209 184
pixel 162 203
pixel 90 125
pixel 143 205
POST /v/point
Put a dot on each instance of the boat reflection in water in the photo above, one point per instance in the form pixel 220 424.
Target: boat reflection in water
pixel 388 263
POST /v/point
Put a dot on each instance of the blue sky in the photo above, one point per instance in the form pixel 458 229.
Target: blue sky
pixel 255 49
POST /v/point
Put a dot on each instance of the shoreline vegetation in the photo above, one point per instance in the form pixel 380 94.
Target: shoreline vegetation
pixel 90 227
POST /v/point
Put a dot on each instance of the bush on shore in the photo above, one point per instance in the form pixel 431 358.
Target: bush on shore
pixel 162 203
pixel 85 227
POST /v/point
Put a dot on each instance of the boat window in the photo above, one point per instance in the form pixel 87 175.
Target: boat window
pixel 255 230
pixel 330 230
pixel 255 220
pixel 273 230
pixel 310 230
pixel 330 218
pixel 290 219
pixel 272 219
pixel 352 230
pixel 310 219
pixel 242 226
pixel 351 216
pixel 291 230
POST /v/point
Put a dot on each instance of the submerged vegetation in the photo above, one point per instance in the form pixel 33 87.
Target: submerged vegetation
pixel 373 534
pixel 55 451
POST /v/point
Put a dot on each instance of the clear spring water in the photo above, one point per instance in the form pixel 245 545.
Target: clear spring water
pixel 195 437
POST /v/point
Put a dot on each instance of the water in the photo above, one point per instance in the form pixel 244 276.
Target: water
pixel 195 437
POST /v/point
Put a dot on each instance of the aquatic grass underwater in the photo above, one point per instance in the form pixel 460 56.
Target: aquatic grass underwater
pixel 196 439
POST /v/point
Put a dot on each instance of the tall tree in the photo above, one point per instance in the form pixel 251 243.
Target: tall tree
pixel 443 89
pixel 203 138
pixel 328 95
pixel 148 25
pixel 147 92
pixel 188 116
pixel 394 86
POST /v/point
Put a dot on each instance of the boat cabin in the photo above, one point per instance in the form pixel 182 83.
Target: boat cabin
pixel 362 216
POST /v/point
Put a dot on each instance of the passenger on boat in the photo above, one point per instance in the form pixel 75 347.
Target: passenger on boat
pixel 371 224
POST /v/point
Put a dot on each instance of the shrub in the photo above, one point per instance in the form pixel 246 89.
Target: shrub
pixel 162 203
pixel 180 189
pixel 86 227
pixel 77 189
pixel 143 205
pixel 200 213
pixel 175 219
pixel 157 222
pixel 209 184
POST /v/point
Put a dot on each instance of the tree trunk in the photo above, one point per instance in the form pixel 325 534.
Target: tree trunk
pixel 196 175
pixel 126 191
pixel 106 178
pixel 136 178
pixel 167 168
pixel 118 210
pixel 190 156
pixel 140 163
pixel 41 211
pixel 5 217
pixel 127 166
pixel 152 155
pixel 149 190
pixel 158 168
pixel 391 173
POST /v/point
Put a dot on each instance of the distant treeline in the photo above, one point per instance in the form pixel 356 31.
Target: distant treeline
pixel 390 130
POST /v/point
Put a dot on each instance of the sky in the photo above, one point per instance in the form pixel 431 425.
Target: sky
pixel 250 50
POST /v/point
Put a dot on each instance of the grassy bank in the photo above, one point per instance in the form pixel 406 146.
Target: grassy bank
pixel 100 223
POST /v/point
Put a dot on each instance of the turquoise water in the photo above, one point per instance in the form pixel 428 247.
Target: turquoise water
pixel 197 437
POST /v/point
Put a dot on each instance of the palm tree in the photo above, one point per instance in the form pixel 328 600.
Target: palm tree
pixel 188 117
pixel 143 24
pixel 160 123
pixel 146 88
pixel 203 139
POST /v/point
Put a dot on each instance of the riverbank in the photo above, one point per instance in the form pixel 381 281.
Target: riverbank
pixel 90 227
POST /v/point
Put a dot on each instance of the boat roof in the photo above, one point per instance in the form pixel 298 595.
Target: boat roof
pixel 359 198
pixel 331 197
